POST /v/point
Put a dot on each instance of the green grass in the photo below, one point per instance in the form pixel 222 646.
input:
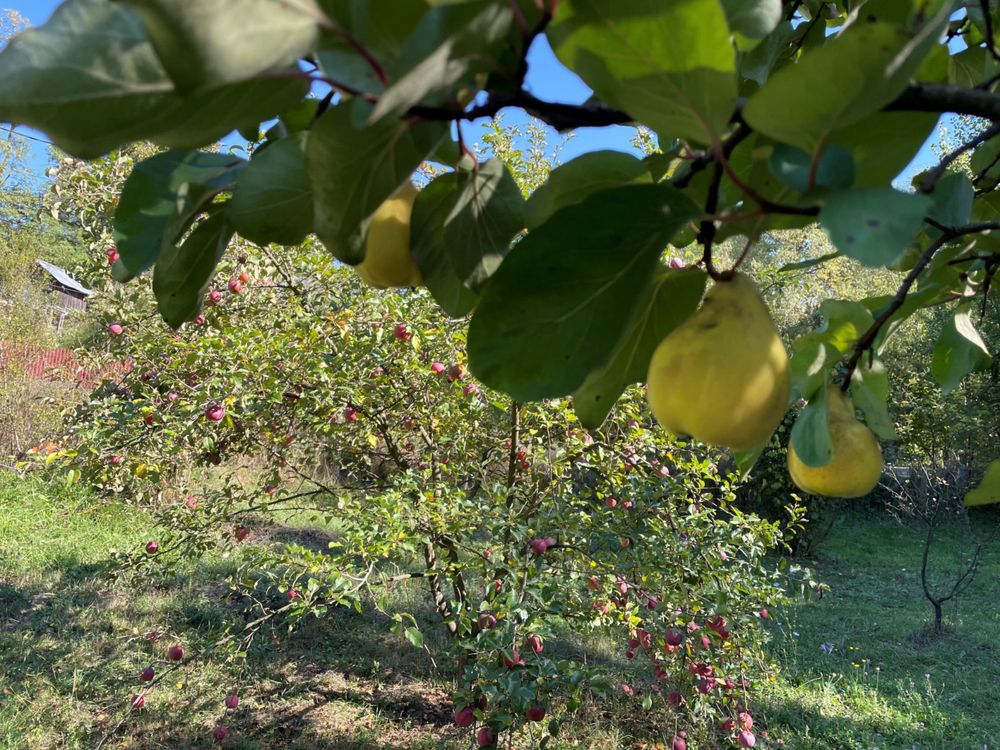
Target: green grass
pixel 72 643
pixel 914 691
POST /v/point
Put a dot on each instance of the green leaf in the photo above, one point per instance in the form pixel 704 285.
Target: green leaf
pixel 953 195
pixel 354 170
pixel 488 212
pixel 870 392
pixel 987 492
pixel 272 200
pixel 873 225
pixel 414 636
pixel 853 75
pixel 450 44
pixel 756 64
pixel 573 181
pixel 959 351
pixel 212 42
pixel 159 200
pixel 432 206
pixel 183 272
pixel 811 432
pixel 669 65
pixel 884 143
pixel 560 303
pixel 753 19
pixel 670 300
pixel 794 167
pixel 844 322
pixel 811 365
pixel 381 27
pixel 91 81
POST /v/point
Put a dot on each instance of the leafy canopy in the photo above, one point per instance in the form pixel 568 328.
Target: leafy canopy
pixel 771 115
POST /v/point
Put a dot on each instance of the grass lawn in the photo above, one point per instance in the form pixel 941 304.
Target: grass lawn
pixel 72 644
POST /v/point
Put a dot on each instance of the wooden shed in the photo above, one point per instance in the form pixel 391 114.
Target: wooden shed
pixel 66 294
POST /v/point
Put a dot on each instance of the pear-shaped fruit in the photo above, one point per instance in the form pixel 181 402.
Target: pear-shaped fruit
pixel 856 465
pixel 722 376
pixel 388 261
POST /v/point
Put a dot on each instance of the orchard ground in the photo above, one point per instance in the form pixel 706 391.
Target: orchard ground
pixel 857 671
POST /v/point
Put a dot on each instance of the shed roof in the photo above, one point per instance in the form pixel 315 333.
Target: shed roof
pixel 64 278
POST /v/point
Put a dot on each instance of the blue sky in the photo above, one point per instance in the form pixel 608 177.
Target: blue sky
pixel 547 79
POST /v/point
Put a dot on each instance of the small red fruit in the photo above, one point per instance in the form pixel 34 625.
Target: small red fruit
pixel 593 584
pixel 113 255
pixel 535 713
pixel 235 286
pixel 456 372
pixel 674 637
pixel 220 732
pixel 148 420
pixel 152 547
pixel 199 320
pixel 293 594
pixel 487 621
pixel 241 533
pixel 676 263
pixel 401 332
pixel 610 502
pixel 539 546
pixel 674 698
pixel 437 367
pixel 679 743
pixel 138 701
pixel 175 653
pixel 245 277
pixel 514 660
pixel 147 674
pixel 115 329
pixel 627 689
pixel 746 738
pixel 232 701
pixel 215 413
pixel 465 718
pixel 214 297
pixel 190 502
pixel 764 614
pixel 350 414
pixel 484 737
pixel 534 643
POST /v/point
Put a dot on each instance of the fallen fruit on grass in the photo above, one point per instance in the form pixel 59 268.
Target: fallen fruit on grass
pixel 484 737
pixel 232 701
pixel 220 732
pixel 535 713
pixel 175 652
pixel 147 674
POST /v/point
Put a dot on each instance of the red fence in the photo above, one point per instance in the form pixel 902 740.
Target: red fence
pixel 59 365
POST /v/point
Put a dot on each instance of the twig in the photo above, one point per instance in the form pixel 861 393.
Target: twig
pixel 931 180
pixel 706 234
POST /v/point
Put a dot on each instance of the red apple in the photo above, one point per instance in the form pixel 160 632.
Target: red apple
pixel 232 701
pixel 727 725
pixel 746 738
pixel 593 584
pixel 220 732
pixel 745 719
pixel 190 502
pixel 350 414
pixel 456 372
pixel 465 718
pixel 401 332
pixel 199 320
pixel 152 547
pixel 674 698
pixel 676 263
pixel 241 533
pixel 214 297
pixel 244 277
pixel 113 255
pixel 437 367
pixel 514 660
pixel 215 412
pixel 610 502
pixel 293 594
pixel 487 621
pixel 534 642
pixel 138 701
pixel 148 420
pixel 674 637
pixel 535 713
pixel 147 674
pixel 678 744
pixel 175 652
pixel 627 689
pixel 484 737
pixel 538 546
pixel 115 329
pixel 764 614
